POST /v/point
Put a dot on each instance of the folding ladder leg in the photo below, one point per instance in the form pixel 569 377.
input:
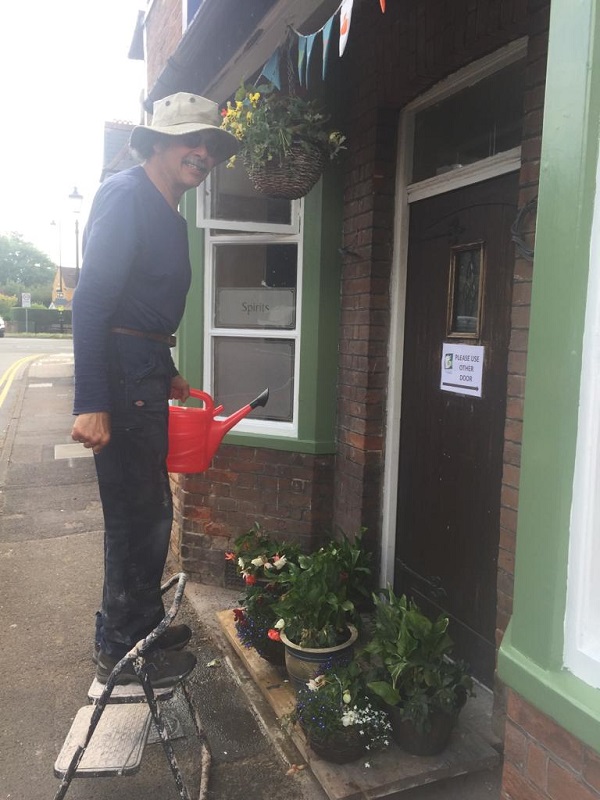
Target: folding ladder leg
pixel 205 756
pixel 162 731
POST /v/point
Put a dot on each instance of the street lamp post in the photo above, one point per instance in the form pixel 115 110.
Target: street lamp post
pixel 76 200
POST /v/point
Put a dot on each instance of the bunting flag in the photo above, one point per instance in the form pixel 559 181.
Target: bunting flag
pixel 345 17
pixel 271 70
pixel 310 40
pixel 301 58
pixel 382 4
pixel 326 39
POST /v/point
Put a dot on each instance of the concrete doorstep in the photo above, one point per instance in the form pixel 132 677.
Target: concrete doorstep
pixel 385 773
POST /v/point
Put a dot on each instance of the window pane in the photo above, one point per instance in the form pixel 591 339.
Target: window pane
pixel 255 286
pixel 233 198
pixel 476 123
pixel 465 290
pixel 244 367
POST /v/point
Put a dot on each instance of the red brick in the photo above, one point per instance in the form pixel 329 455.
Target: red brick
pixel 591 769
pixel 566 785
pixel 537 765
pixel 516 787
pixel 546 731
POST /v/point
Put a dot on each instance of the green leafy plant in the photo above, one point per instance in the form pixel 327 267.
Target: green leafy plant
pixel 319 599
pixel 268 123
pixel 336 704
pixel 415 670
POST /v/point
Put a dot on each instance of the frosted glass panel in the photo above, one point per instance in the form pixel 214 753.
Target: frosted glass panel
pixel 233 198
pixel 244 367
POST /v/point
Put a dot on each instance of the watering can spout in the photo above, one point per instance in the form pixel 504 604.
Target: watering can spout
pixel 219 427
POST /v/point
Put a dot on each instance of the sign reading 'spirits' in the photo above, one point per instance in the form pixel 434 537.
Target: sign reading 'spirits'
pixel 462 368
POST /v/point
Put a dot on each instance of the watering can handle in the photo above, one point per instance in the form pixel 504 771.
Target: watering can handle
pixel 206 398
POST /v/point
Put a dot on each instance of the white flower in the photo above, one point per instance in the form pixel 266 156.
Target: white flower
pixel 268 565
pixel 346 697
pixel 279 625
pixel 315 683
pixel 279 562
pixel 241 563
pixel 258 561
pixel 367 765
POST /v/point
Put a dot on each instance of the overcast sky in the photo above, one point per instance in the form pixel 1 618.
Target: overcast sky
pixel 64 71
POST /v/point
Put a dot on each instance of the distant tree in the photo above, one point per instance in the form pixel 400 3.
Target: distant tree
pixel 22 263
pixel 6 303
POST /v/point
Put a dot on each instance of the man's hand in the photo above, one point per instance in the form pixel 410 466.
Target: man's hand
pixel 180 388
pixel 92 430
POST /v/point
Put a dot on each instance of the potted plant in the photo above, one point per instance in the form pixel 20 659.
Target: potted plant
pixel 317 609
pixel 339 720
pixel 285 139
pixel 262 563
pixel 422 687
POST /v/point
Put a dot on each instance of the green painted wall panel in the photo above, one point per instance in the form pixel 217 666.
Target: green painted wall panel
pixel 531 656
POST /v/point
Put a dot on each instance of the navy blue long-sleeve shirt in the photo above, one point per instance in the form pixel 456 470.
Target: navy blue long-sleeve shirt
pixel 135 274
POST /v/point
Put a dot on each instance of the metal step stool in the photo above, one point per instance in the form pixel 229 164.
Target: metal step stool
pixel 108 737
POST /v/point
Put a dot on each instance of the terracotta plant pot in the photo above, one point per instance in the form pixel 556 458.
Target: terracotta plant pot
pixel 304 663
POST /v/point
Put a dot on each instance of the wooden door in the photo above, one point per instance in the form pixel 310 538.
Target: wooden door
pixel 451 445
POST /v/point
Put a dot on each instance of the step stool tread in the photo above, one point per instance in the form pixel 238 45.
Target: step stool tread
pixel 116 745
pixel 128 692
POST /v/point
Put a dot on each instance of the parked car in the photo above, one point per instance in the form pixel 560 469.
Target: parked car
pixel 2 327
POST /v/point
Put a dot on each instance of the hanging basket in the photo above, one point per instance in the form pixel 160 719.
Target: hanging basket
pixel 291 178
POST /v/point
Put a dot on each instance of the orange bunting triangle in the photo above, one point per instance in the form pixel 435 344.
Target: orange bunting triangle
pixel 382 4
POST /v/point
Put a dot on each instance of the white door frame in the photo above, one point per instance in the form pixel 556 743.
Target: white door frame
pixel 405 194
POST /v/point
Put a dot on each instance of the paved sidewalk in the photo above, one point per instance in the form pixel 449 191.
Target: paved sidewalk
pixel 50 574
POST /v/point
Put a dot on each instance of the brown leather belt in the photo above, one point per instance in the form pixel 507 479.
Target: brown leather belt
pixel 164 338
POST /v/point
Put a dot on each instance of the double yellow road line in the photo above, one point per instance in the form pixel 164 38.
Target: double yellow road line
pixel 7 379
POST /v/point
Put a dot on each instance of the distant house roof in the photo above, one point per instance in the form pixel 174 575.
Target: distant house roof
pixel 117 156
pixel 68 277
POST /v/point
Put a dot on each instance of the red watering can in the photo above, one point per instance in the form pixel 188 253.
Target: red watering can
pixel 195 434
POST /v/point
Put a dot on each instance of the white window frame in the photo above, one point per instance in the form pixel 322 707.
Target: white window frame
pixel 204 219
pixel 214 239
pixel 582 616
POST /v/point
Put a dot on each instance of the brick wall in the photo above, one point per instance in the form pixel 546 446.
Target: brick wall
pixel 288 494
pixel 542 761
pixel 163 33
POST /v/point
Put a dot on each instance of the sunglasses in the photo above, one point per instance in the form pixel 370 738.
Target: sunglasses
pixel 198 138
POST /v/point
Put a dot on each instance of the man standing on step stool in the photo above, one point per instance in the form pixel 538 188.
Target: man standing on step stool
pixel 130 298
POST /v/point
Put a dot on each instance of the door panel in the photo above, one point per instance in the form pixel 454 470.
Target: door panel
pixel 451 445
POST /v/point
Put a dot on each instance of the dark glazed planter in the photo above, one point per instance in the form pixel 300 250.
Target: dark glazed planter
pixel 338 748
pixel 429 743
pixel 271 651
pixel 304 663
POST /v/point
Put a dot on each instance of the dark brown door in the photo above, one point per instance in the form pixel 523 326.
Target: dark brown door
pixel 460 267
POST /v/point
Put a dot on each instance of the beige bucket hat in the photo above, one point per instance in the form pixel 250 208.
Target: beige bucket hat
pixel 187 113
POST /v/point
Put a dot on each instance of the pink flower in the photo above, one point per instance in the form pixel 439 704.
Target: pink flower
pixel 250 579
pixel 229 556
pixel 274 635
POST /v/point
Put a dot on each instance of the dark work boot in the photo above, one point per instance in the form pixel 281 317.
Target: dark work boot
pixel 164 668
pixel 174 638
